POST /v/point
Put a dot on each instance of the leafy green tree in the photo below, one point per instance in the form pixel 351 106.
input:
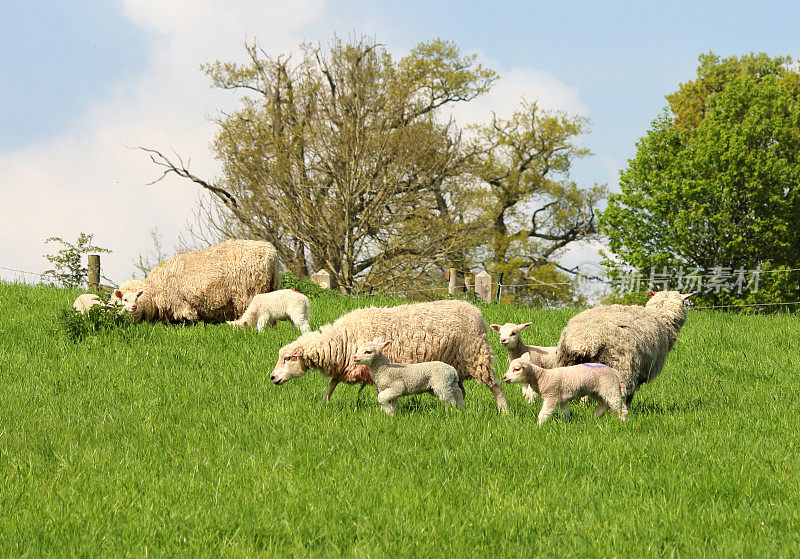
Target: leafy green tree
pixel 68 269
pixel 719 196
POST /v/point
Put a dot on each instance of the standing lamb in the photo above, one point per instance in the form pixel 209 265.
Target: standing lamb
pixel 511 339
pixel 213 284
pixel 560 385
pixel 267 308
pixel 632 339
pixel 450 331
pixel 394 380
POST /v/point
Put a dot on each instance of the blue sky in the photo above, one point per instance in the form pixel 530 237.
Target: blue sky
pixel 84 80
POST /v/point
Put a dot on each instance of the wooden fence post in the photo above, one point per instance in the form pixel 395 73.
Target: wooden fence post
pixel 467 283
pixel 483 286
pixel 452 286
pixel 93 271
pixel 322 279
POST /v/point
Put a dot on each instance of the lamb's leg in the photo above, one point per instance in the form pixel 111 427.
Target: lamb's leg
pixel 328 392
pixel 261 323
pixel 629 399
pixel 549 405
pixel 619 407
pixel 565 409
pixel 461 387
pixel 450 395
pixel 387 398
pixel 529 393
pixel 601 410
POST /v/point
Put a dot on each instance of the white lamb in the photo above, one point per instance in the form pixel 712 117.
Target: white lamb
pixel 267 308
pixel 560 385
pixel 86 301
pixel 511 339
pixel 394 380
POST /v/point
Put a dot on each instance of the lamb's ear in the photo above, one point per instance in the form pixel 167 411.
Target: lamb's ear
pixel 685 296
pixel 523 326
pixel 298 352
pixel 495 327
pixel 118 293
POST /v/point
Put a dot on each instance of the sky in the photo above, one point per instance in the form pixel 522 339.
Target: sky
pixel 83 82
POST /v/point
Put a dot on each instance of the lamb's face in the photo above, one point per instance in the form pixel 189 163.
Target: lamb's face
pixel 129 300
pixel 516 372
pixel 291 364
pixel 510 333
pixel 366 352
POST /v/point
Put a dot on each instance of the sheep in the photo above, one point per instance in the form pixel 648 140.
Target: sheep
pixel 511 339
pixel 394 380
pixel 450 331
pixel 560 385
pixel 132 285
pixel 86 301
pixel 129 301
pixel 213 284
pixel 267 308
pixel 632 339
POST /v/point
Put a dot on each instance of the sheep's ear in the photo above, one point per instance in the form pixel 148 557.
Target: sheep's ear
pixel 118 293
pixel 139 293
pixel 495 327
pixel 523 326
pixel 298 352
pixel 685 296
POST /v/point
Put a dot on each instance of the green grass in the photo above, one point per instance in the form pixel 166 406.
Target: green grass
pixel 171 441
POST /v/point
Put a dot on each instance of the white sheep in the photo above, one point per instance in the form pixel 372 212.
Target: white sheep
pixel 450 331
pixel 213 284
pixel 128 285
pixel 511 339
pixel 632 339
pixel 560 385
pixel 267 308
pixel 128 301
pixel 86 301
pixel 394 380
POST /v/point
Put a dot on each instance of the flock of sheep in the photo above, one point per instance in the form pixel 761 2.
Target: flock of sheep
pixel 604 353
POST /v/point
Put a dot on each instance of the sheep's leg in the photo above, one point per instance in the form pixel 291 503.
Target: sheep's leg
pixel 619 408
pixel 564 409
pixel 451 395
pixel 261 323
pixel 629 399
pixel 328 392
pixel 529 393
pixel 387 398
pixel 601 410
pixel 548 407
pixel 499 397
pixel 459 396
pixel 461 387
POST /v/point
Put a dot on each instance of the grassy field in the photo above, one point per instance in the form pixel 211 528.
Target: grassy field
pixel 171 441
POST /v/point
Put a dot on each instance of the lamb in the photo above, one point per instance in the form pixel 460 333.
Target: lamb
pixel 450 331
pixel 632 339
pixel 511 339
pixel 213 284
pixel 86 301
pixel 131 285
pixel 394 380
pixel 560 385
pixel 267 308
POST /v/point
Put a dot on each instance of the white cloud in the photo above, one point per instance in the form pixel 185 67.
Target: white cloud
pixel 89 180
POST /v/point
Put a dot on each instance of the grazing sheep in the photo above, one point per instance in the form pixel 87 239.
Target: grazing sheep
pixel 213 284
pixel 511 339
pixel 267 308
pixel 449 331
pixel 86 301
pixel 394 380
pixel 632 339
pixel 127 285
pixel 560 385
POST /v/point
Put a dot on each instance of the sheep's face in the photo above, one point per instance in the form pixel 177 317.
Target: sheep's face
pixel 516 372
pixel 510 333
pixel 129 300
pixel 291 364
pixel 366 352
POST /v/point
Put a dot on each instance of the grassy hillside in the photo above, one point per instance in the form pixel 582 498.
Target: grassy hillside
pixel 171 441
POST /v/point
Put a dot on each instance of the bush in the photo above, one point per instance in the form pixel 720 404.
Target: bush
pixel 77 325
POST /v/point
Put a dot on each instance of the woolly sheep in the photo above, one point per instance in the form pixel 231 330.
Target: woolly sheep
pixel 560 385
pixel 511 339
pixel 213 284
pixel 450 331
pixel 86 301
pixel 632 339
pixel 267 308
pixel 394 380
